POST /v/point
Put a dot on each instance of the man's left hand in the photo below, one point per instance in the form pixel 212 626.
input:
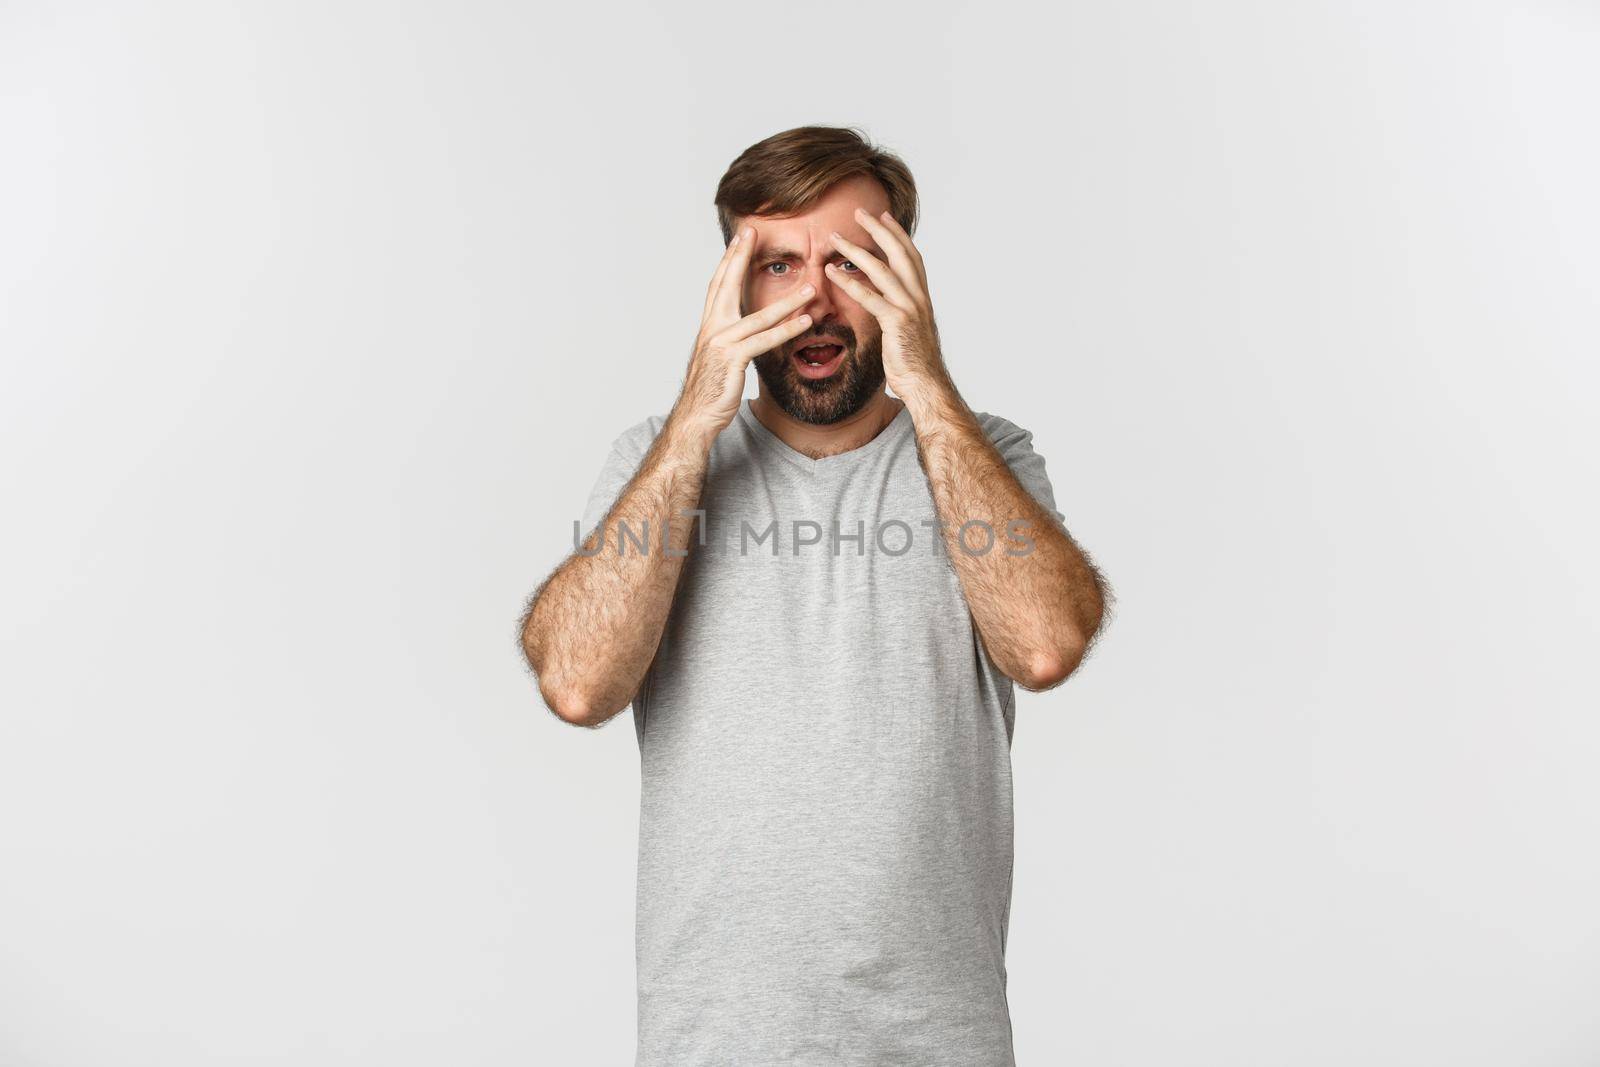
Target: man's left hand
pixel 912 359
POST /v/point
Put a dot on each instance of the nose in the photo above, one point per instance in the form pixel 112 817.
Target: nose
pixel 822 304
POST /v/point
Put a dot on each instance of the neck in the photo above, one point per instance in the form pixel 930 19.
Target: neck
pixel 816 441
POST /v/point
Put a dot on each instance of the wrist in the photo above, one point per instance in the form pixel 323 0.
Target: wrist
pixel 930 395
pixel 688 434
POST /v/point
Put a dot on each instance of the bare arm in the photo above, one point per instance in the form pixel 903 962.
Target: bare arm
pixel 593 627
pixel 1037 606
pixel 1036 612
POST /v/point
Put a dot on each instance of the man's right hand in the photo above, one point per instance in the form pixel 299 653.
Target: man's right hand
pixel 714 385
pixel 593 627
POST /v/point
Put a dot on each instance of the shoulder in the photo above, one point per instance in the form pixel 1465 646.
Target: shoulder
pixel 635 440
pixel 1015 445
pixel 1002 431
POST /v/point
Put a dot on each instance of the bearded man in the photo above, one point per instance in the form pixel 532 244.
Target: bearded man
pixel 824 719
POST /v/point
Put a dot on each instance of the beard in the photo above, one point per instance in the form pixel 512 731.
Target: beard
pixel 821 401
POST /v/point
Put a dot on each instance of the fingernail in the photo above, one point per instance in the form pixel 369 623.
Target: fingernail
pixel 808 290
pixel 749 233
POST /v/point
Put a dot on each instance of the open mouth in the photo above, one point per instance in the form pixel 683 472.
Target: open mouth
pixel 818 360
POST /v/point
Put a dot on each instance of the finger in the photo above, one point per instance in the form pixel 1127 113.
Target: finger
pixel 722 269
pixel 862 294
pixel 874 268
pixel 892 224
pixel 894 248
pixel 730 289
pixel 767 340
pixel 758 320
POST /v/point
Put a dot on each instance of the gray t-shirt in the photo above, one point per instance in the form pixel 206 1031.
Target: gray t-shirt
pixel 825 833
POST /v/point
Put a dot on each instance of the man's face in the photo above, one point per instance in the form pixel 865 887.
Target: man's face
pixel 788 252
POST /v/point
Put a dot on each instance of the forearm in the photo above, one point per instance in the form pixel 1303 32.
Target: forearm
pixel 1035 597
pixel 594 626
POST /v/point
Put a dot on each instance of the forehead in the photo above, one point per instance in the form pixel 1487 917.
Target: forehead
pixel 834 211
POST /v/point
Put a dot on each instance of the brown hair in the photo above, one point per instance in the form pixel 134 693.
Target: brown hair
pixel 789 171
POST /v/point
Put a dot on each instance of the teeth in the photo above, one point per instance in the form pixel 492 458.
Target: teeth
pixel 804 353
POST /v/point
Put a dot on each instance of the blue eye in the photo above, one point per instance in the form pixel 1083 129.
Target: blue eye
pixel 843 263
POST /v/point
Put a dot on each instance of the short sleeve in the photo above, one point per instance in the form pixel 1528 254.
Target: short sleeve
pixel 617 470
pixel 1015 446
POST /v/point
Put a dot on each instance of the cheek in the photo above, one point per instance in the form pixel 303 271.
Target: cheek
pixel 761 290
pixel 759 294
pixel 862 321
pixel 764 289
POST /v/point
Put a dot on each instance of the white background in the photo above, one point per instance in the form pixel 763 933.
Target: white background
pixel 318 320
